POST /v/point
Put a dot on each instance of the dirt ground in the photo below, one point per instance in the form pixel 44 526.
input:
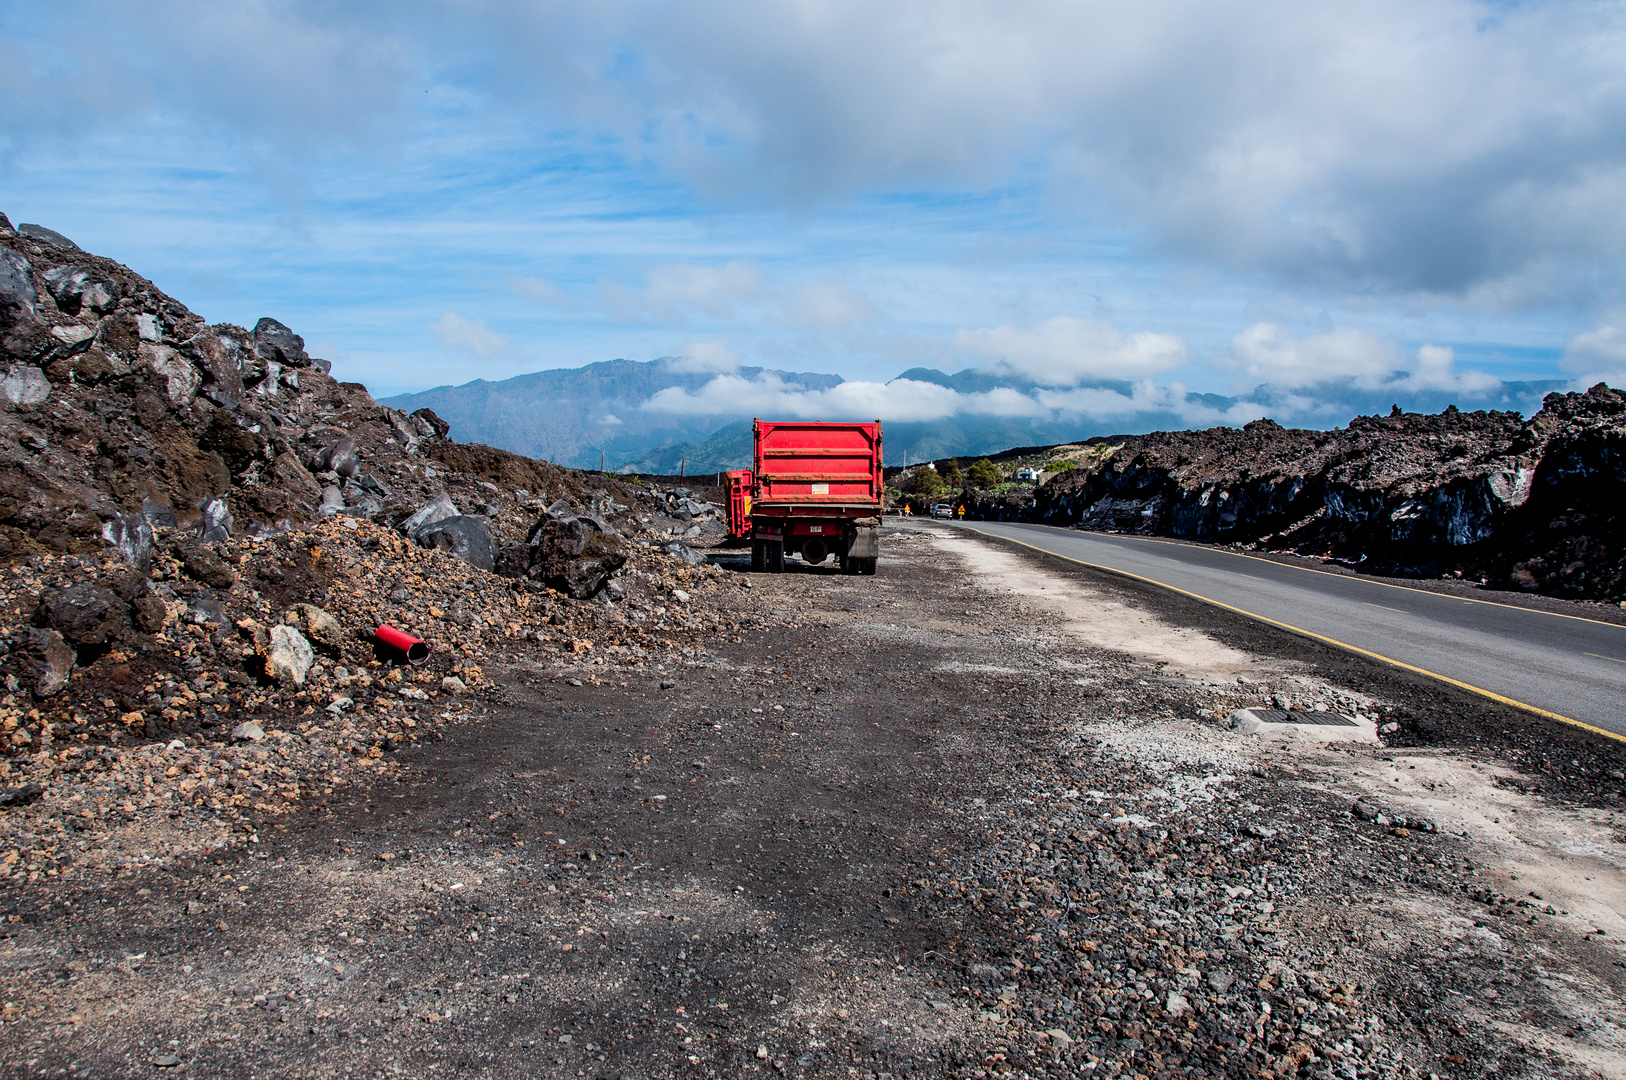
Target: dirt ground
pixel 931 823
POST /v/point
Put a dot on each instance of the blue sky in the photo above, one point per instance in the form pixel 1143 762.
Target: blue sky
pixel 1403 199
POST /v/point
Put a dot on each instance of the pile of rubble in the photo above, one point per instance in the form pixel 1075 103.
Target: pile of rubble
pixel 1480 495
pixel 203 530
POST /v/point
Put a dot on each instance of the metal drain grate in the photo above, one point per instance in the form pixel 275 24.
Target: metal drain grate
pixel 1306 717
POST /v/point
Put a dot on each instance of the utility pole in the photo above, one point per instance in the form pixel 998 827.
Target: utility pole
pixel 681 460
pixel 601 461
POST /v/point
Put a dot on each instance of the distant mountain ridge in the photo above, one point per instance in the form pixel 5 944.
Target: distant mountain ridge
pixel 573 416
pixel 600 413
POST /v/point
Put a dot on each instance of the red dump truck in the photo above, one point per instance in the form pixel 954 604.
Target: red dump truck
pixel 815 491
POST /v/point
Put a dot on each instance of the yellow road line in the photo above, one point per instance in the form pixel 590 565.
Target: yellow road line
pixel 1362 579
pixel 1458 683
pixel 1601 656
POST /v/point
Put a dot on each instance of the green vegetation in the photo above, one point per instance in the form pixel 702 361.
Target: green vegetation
pixel 984 474
pixel 925 481
pixel 949 471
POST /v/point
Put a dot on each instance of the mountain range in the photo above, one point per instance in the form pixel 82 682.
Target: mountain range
pixel 653 417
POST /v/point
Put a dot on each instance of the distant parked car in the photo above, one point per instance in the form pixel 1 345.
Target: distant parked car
pixel 942 510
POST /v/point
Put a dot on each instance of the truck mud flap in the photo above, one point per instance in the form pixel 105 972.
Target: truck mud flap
pixel 863 542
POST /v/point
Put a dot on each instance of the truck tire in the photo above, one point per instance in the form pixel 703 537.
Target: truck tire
pixel 759 556
pixel 776 558
pixel 867 566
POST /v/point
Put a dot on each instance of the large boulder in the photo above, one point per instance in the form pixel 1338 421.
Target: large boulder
pixel 437 427
pixel 85 614
pixel 567 554
pixel 202 563
pixel 513 560
pixel 75 288
pixel 25 385
pixel 43 660
pixel 179 376
pixel 43 235
pixel 558 537
pixel 221 381
pixel 215 525
pixel 339 456
pixel 18 300
pixel 276 344
pixel 438 509
pixel 131 536
pixel 287 656
pixel 322 630
pixel 465 536
pixel 404 430
pixel 684 553
pixel 295 479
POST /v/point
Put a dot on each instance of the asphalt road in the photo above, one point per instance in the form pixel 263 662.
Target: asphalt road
pixel 1569 667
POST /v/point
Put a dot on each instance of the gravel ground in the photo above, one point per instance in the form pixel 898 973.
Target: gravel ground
pixel 908 825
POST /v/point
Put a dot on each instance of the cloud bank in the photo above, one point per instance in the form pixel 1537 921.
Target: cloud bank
pixel 1070 193
pixel 1064 350
pixel 1091 373
pixel 907 400
pixel 1442 147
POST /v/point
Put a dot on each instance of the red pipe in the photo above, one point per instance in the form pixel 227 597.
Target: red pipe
pixel 416 649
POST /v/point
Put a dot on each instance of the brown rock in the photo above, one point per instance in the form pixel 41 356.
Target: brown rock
pixel 201 563
pixel 84 614
pixel 150 614
pixel 45 660
pixel 235 444
pixel 323 630
pixel 294 478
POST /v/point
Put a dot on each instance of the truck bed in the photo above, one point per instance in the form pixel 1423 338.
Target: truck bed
pixel 803 464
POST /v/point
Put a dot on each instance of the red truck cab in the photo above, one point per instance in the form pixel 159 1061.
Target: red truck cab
pixel 815 491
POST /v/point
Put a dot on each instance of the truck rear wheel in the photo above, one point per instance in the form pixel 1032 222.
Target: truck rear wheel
pixel 866 566
pixel 759 556
pixel 776 558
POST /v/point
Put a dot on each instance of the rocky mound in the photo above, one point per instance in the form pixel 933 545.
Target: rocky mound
pixel 202 530
pixel 1486 495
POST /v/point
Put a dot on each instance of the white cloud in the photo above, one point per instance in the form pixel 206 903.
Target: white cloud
pixel 1435 370
pixel 1267 353
pixel 905 400
pixel 706 356
pixel 1420 146
pixel 1345 355
pixel 1436 146
pixel 453 331
pixel 1063 350
pixel 767 395
pixel 1598 354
